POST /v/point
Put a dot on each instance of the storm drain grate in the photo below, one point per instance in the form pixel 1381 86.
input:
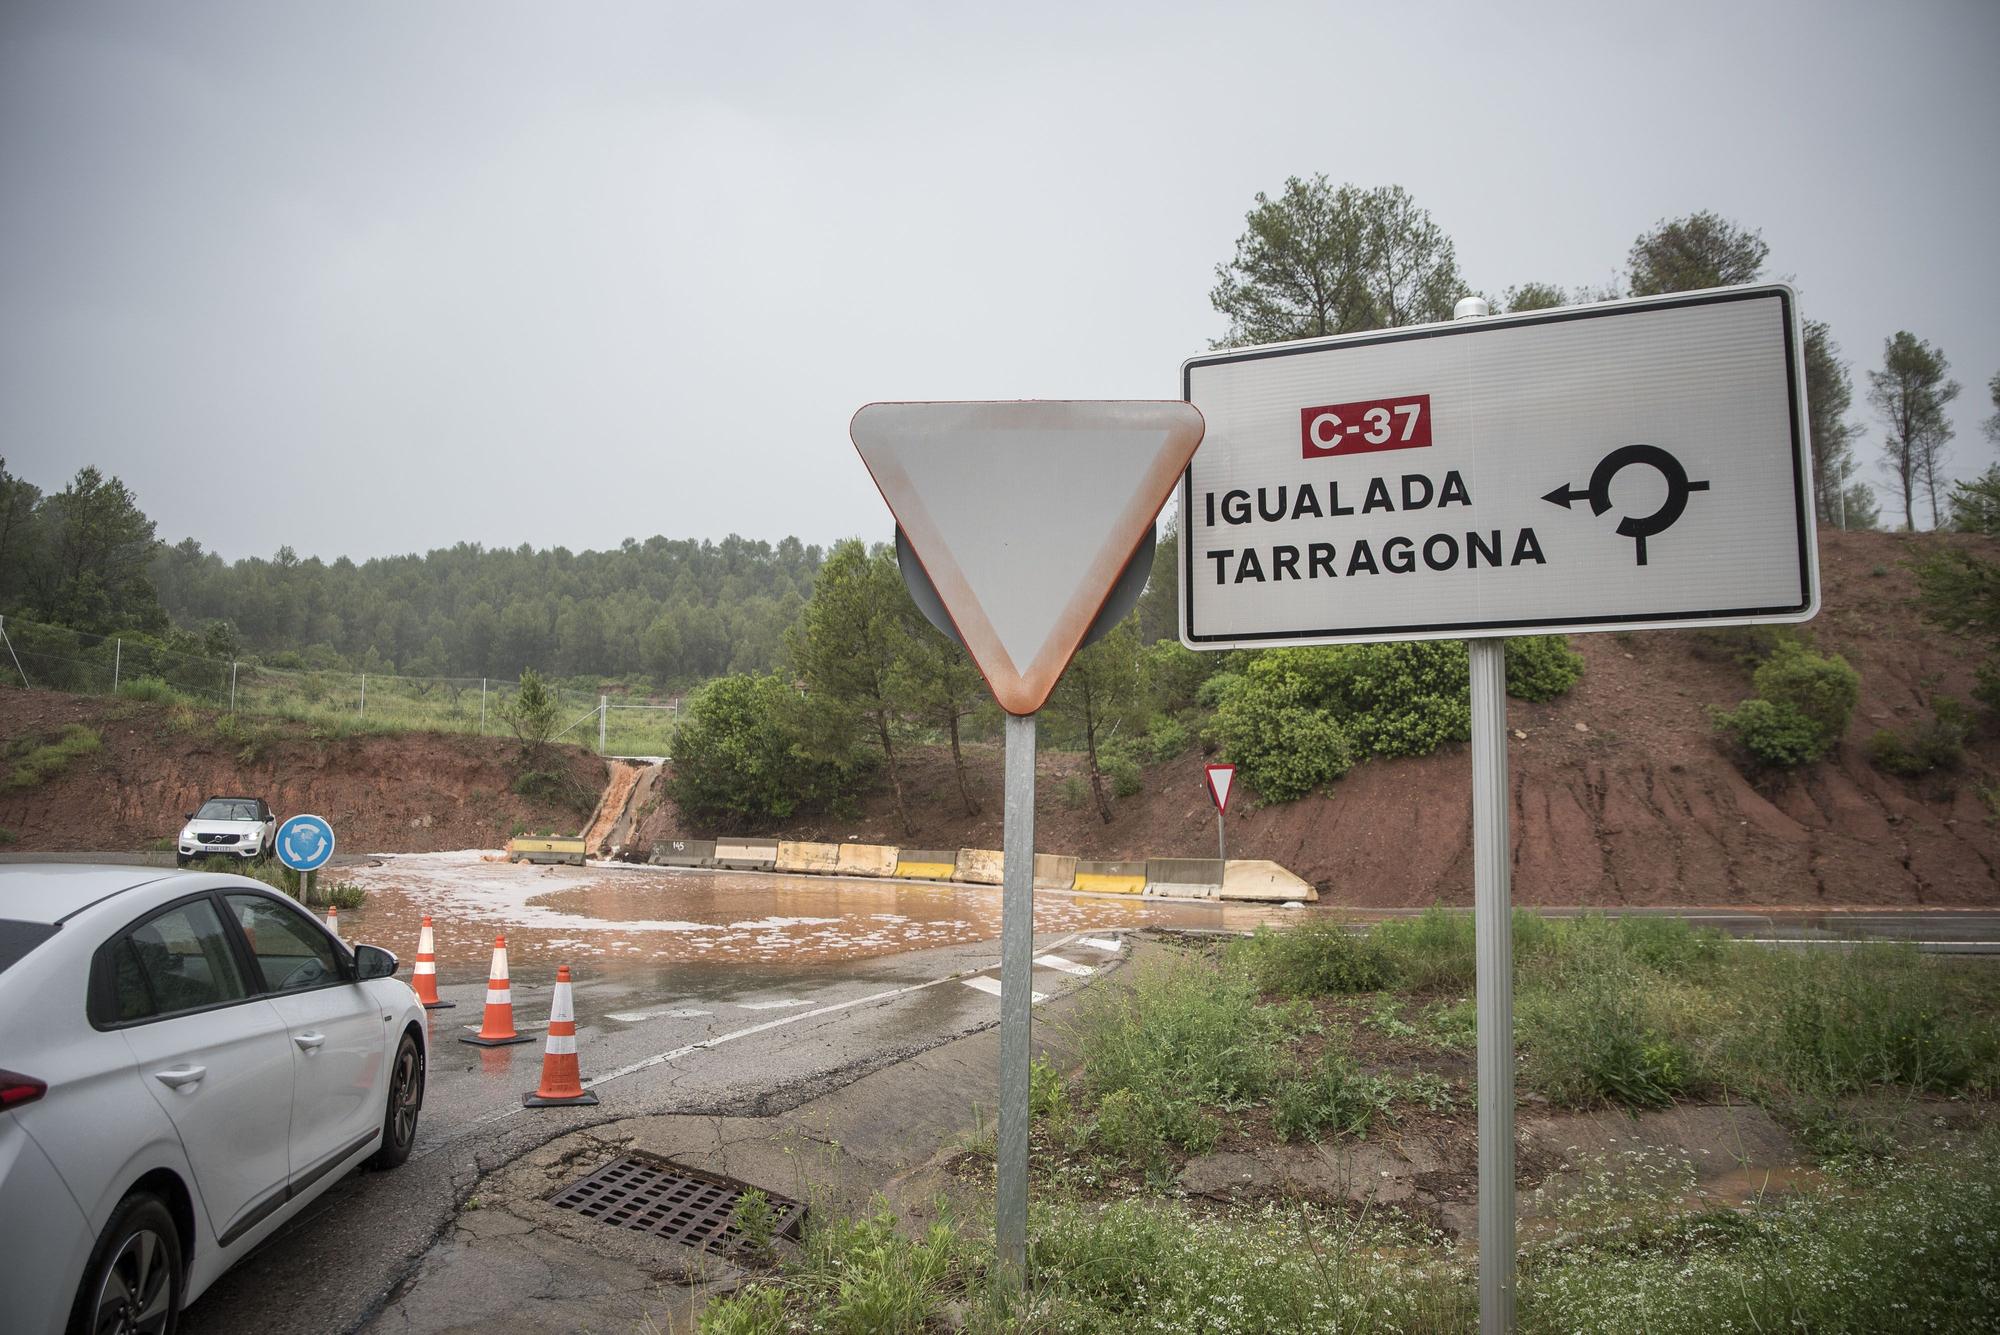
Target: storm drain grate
pixel 679 1204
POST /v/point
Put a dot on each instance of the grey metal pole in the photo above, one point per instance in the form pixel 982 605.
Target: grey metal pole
pixel 8 641
pixel 1493 928
pixel 1222 840
pixel 1017 950
pixel 603 708
pixel 117 662
pixel 482 706
pixel 232 686
pixel 363 709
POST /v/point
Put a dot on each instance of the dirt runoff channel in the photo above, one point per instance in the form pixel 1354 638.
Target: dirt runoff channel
pixel 645 916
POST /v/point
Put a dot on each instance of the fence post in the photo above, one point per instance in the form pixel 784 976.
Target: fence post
pixel 232 686
pixel 117 662
pixel 603 703
pixel 482 706
pixel 363 711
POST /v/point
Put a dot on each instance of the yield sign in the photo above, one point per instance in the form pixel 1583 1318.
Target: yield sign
pixel 1023 514
pixel 1219 779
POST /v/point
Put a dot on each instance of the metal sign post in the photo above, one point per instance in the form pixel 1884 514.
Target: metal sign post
pixel 1021 599
pixel 1219 779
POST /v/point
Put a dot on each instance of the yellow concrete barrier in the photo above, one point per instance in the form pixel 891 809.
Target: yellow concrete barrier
pixel 1111 878
pixel 797 856
pixel 1054 871
pixel 927 864
pixel 1265 883
pixel 867 860
pixel 561 849
pixel 980 866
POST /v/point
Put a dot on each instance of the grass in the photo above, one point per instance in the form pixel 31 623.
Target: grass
pixel 1877 1246
pixel 339 894
pixel 34 764
pixel 7 836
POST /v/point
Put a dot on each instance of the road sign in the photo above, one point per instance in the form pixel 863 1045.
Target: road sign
pixel 1024 514
pixel 1630 464
pixel 1219 779
pixel 305 843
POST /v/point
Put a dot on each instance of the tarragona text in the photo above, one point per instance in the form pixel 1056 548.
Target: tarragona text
pixel 1274 562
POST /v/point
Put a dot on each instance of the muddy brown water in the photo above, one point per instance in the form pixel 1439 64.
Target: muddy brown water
pixel 612 916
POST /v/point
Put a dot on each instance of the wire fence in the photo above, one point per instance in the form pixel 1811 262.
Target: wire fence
pixel 41 657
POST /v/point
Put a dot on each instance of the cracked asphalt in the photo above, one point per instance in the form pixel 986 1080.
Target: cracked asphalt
pixel 737 1045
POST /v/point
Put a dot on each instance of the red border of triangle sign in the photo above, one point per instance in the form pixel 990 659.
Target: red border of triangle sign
pixel 1219 777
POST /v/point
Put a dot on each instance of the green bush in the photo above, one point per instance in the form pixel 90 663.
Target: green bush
pixel 151 689
pixel 1167 737
pixel 1801 708
pixel 1123 771
pixel 1335 1094
pixel 1774 734
pixel 1318 958
pixel 1938 743
pixel 1593 1042
pixel 750 748
pixel 1541 667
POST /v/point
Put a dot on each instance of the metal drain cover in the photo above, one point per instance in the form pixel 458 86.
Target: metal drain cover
pixel 679 1204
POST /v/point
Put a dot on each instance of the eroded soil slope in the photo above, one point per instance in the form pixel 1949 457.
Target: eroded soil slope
pixel 1621 792
pixel 394 792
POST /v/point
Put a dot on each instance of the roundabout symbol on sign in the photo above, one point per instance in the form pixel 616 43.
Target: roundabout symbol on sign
pixel 305 843
pixel 1635 527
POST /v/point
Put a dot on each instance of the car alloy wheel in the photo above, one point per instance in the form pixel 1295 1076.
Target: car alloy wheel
pixel 138 1282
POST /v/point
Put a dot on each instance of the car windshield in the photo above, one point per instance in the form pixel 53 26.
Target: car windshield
pixel 18 938
pixel 227 808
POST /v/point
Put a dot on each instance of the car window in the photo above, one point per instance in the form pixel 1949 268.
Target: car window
pixel 218 809
pixel 18 938
pixel 175 961
pixel 291 950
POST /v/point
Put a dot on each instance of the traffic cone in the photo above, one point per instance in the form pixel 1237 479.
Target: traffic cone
pixel 561 1083
pixel 424 980
pixel 333 921
pixel 497 1028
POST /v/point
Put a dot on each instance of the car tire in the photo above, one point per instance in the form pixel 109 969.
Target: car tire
pixel 180 861
pixel 136 1263
pixel 406 1101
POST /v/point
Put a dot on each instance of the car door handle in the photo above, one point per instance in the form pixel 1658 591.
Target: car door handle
pixel 180 1076
pixel 309 1041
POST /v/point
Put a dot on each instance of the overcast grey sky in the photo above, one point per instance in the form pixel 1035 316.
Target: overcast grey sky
pixel 376 278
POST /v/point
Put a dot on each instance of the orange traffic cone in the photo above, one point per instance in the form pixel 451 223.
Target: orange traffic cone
pixel 333 920
pixel 561 1083
pixel 424 980
pixel 497 1029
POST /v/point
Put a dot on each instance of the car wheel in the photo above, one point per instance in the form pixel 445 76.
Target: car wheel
pixel 134 1282
pixel 406 1100
pixel 180 861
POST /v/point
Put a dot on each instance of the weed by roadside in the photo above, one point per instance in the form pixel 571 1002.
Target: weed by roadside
pixel 337 894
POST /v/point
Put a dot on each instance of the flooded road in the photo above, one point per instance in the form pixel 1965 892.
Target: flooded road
pixel 619 920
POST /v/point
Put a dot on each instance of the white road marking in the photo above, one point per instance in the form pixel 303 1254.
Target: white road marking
pixel 633 1017
pixel 982 983
pixel 1066 966
pixel 771 1005
pixel 1102 943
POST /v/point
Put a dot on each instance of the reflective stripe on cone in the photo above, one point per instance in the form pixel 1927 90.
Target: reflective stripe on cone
pixel 424 977
pixel 497 1026
pixel 562 1082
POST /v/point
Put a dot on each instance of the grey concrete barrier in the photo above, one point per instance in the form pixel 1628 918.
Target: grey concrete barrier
pixel 1184 878
pixel 1054 871
pixel 867 860
pixel 980 866
pixel 1265 882
pixel 747 854
pixel 683 853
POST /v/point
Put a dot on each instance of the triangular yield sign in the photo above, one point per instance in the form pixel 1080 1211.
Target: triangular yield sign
pixel 1023 514
pixel 1219 779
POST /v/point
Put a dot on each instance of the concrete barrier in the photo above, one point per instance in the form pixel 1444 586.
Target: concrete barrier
pixel 1265 883
pixel 927 864
pixel 980 866
pixel 867 860
pixel 817 859
pixel 683 853
pixel 1111 878
pixel 567 849
pixel 747 854
pixel 1184 878
pixel 1054 871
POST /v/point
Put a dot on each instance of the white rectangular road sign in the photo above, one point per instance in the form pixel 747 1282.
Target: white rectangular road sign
pixel 1636 463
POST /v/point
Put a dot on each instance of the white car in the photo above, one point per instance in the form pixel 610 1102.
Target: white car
pixel 229 827
pixel 187 1059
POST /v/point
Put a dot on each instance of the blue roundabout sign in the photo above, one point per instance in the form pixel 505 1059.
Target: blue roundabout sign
pixel 305 843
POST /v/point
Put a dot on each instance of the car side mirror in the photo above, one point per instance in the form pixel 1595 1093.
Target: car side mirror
pixel 373 962
pixel 189 816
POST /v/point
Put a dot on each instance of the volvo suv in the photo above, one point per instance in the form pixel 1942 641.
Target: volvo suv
pixel 230 827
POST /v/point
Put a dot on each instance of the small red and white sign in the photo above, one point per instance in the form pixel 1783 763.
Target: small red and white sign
pixel 1219 779
pixel 1366 427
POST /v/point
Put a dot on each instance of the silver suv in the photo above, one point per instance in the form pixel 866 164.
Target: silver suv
pixel 229 827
